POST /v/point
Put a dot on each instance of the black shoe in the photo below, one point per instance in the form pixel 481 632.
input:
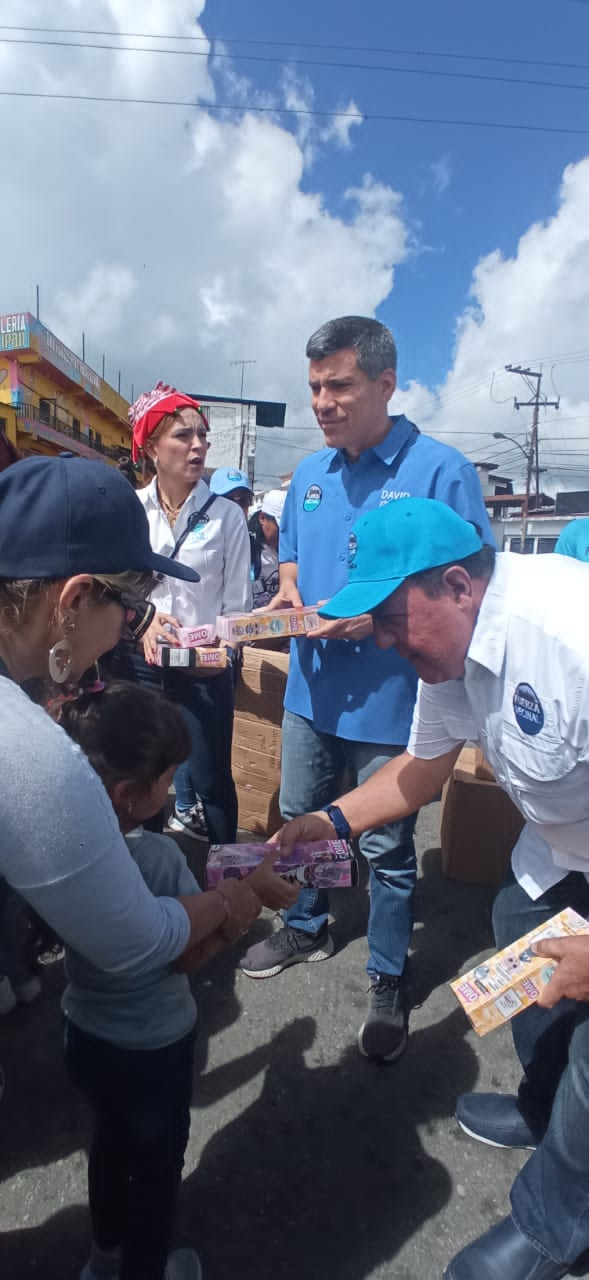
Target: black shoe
pixel 495 1118
pixel 286 947
pixel 383 1035
pixel 504 1253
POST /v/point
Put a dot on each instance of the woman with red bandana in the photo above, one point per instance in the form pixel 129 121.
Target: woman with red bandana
pixel 209 534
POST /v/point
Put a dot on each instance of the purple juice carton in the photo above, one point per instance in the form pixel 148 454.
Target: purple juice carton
pixel 320 864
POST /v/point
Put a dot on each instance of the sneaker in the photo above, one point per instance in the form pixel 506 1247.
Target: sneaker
pixel 192 822
pixel 383 1035
pixel 495 1119
pixel 283 948
pixel 28 990
pixel 7 997
pixel 183 1264
pixel 103 1264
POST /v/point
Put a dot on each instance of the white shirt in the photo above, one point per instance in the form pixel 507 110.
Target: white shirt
pixel 525 698
pixel 219 549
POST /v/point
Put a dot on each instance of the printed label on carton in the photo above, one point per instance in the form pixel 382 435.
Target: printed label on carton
pixel 321 864
pixel 496 990
pixel 245 628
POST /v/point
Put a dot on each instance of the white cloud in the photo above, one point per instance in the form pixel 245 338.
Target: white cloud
pixel 531 309
pixel 441 171
pixel 179 240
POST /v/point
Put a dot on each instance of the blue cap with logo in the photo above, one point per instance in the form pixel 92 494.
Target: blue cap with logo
pixel 225 479
pixel 388 545
pixel 68 515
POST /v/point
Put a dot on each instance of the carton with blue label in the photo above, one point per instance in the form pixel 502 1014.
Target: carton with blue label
pixel 500 987
pixel 243 628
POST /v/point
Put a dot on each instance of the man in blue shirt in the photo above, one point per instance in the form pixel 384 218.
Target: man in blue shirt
pixel 348 705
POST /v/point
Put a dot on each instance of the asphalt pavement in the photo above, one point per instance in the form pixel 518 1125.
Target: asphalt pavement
pixel 305 1161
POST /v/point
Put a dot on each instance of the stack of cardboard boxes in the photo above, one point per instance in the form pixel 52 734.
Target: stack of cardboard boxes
pixel 259 701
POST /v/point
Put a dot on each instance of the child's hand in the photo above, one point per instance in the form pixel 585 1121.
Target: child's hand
pixel 271 889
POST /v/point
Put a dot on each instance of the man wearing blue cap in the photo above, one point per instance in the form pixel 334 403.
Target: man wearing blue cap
pixel 501 650
pixel 348 707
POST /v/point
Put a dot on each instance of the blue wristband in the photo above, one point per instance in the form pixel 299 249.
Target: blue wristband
pixel 340 823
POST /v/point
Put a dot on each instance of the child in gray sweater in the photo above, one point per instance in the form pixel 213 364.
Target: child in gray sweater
pixel 129 1038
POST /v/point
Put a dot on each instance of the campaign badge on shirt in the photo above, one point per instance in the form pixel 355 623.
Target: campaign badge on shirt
pixel 352 549
pixel 312 498
pixel 528 710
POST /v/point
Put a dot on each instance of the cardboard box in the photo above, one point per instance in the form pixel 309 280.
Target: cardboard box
pixel 479 827
pixel 472 760
pixel 259 700
pixel 242 628
pixel 511 980
pixel 321 864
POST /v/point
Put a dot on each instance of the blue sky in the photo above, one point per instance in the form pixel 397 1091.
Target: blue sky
pixel 498 181
pixel 182 238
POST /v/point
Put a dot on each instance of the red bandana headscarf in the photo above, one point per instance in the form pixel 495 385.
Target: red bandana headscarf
pixel 148 410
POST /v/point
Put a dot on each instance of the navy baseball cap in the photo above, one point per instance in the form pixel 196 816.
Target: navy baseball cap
pixel 68 515
pixel 225 479
pixel 390 544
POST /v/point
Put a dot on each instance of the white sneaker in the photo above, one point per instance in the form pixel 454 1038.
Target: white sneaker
pixel 7 997
pixel 28 990
pixel 183 1264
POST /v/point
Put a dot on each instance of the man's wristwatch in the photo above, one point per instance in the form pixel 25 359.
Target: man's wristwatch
pixel 340 824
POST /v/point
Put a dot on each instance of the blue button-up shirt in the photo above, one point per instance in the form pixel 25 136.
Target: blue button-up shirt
pixel 351 688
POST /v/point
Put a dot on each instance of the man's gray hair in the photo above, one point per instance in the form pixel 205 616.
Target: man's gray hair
pixel 372 341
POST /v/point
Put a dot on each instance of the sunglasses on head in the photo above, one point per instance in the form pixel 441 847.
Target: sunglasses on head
pixel 138 613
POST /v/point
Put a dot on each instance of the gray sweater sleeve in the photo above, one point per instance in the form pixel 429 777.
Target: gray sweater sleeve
pixel 61 848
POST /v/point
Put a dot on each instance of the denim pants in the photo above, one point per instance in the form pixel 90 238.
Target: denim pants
pixel 207 707
pixel 550 1197
pixel 313 767
pixel 141 1105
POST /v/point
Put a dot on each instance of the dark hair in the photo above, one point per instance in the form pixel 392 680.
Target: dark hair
pixel 127 731
pixel 372 341
pixel 478 565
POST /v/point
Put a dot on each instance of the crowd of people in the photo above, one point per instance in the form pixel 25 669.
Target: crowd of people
pixel 429 638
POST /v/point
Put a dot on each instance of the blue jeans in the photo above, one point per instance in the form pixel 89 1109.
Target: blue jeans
pixel 314 765
pixel 207 707
pixel 141 1105
pixel 550 1197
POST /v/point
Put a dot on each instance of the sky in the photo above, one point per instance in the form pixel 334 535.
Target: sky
pixel 424 163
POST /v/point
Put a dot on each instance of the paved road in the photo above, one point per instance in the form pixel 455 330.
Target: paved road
pixel 305 1161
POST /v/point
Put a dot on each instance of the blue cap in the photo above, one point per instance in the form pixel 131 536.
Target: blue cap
pixel 225 479
pixel 68 515
pixel 388 545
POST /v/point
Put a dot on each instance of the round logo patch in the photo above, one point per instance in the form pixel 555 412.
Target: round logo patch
pixel 312 498
pixel 234 475
pixel 527 709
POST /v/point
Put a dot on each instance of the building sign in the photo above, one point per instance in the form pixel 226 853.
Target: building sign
pixel 61 356
pixel 15 333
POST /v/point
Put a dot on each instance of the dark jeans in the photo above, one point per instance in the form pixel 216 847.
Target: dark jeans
pixel 207 707
pixel 313 767
pixel 141 1104
pixel 550 1197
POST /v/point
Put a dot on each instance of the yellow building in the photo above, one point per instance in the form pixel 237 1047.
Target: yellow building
pixel 50 400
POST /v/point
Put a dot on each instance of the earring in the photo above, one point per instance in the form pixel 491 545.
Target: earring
pixel 60 662
pixel 130 808
pixel 60 658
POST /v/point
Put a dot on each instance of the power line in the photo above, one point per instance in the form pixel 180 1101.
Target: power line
pixel 296 111
pixel 300 44
pixel 304 62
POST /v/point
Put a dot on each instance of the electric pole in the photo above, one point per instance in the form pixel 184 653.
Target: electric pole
pixel 533 381
pixel 242 433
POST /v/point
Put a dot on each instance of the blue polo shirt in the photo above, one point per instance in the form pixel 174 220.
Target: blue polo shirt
pixel 351 688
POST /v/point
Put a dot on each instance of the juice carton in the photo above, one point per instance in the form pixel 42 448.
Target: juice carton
pixel 194 636
pixel 321 864
pixel 494 991
pixel 242 628
pixel 190 657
